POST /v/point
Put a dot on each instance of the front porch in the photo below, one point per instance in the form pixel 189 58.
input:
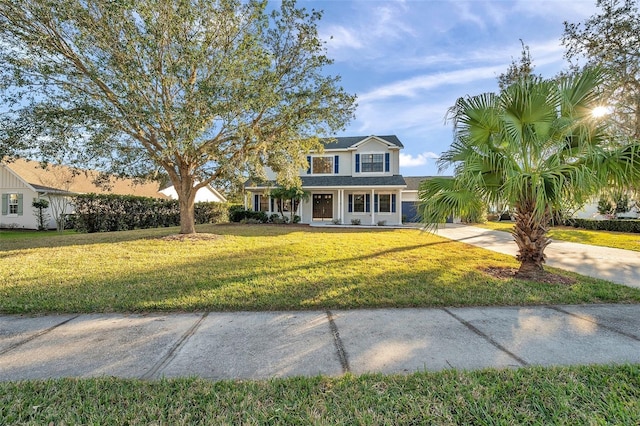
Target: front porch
pixel 363 206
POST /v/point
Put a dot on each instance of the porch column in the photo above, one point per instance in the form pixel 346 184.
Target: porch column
pixel 373 207
pixel 399 206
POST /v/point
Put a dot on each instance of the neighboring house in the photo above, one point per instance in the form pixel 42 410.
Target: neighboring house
pixel 354 178
pixel 590 211
pixel 206 194
pixel 23 181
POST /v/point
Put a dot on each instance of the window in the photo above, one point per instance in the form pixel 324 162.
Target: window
pixel 261 203
pixel 358 203
pixel 384 201
pixel 372 162
pixel 322 165
pixel 13 203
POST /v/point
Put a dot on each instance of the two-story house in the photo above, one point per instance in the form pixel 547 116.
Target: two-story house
pixel 355 178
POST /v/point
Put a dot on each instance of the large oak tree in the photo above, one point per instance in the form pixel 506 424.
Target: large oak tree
pixel 202 90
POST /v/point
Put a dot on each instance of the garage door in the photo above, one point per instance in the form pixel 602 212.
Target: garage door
pixel 409 211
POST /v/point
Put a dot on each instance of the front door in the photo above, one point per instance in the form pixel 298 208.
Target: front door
pixel 322 206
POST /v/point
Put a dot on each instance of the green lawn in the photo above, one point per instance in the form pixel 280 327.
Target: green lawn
pixel 621 240
pixel 544 396
pixel 295 267
pixel 262 267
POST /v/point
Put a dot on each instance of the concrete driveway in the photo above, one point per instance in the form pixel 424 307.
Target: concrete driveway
pixel 615 265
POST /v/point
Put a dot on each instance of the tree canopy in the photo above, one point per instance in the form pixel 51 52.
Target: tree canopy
pixel 203 90
pixel 610 39
pixel 533 146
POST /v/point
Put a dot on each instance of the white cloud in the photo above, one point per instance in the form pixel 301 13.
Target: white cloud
pixel 408 160
pixel 368 30
pixel 340 37
pixel 574 10
pixel 414 87
pixel 464 13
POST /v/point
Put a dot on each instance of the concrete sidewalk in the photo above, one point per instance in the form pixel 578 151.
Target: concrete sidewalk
pixel 262 345
pixel 615 265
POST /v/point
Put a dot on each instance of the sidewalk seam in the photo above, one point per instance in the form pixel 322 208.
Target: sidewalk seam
pixel 606 327
pixel 174 349
pixel 337 341
pixel 487 338
pixel 35 336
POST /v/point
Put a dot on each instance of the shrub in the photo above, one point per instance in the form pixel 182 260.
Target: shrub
pixel 382 222
pixel 279 219
pixel 355 221
pixel 211 212
pixel 110 212
pixel 274 218
pixel 336 221
pixel 237 213
pixel 40 205
pixel 296 218
pixel 629 225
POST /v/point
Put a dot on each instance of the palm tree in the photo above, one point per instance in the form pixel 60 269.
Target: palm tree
pixel 534 146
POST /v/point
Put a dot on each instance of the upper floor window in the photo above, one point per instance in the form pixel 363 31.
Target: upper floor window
pixel 372 162
pixel 322 165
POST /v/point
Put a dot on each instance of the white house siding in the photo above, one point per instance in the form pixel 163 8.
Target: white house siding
pixel 11 184
pixel 203 195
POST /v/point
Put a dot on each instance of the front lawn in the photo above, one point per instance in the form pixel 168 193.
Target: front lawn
pixel 544 396
pixel 621 240
pixel 262 267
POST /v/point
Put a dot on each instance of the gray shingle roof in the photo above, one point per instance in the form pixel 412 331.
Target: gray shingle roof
pixel 345 142
pixel 339 181
pixel 315 181
pixel 413 182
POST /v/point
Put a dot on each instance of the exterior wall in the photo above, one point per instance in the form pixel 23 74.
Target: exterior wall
pixel 57 200
pixel 12 185
pixel 590 211
pixel 203 195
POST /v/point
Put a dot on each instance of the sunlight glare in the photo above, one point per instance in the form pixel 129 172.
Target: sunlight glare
pixel 600 111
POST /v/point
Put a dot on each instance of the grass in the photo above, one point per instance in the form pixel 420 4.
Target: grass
pixel 621 240
pixel 566 395
pixel 267 268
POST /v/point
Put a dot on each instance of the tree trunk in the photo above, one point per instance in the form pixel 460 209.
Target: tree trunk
pixel 186 200
pixel 530 234
pixel 187 216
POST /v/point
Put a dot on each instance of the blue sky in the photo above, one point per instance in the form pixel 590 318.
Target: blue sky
pixel 409 60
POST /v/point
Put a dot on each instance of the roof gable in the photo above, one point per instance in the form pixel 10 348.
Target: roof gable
pixel 53 178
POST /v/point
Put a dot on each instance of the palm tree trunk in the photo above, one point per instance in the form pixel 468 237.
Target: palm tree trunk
pixel 530 234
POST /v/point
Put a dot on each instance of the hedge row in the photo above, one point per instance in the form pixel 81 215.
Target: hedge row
pixel 109 212
pixel 619 225
pixel 240 214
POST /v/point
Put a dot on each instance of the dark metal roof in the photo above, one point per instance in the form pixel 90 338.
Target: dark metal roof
pixel 345 142
pixel 338 181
